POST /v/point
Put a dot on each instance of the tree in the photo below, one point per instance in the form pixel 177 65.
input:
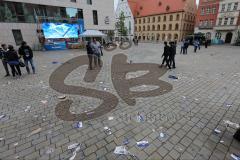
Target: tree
pixel 122 30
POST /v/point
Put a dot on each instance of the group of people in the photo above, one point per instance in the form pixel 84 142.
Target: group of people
pixel 94 52
pixel 169 55
pixel 22 58
pixel 184 46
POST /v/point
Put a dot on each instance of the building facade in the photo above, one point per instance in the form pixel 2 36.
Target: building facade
pixel 123 6
pixel 20 19
pixel 161 20
pixel 206 17
pixel 228 20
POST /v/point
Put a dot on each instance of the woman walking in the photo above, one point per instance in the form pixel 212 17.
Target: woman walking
pixel 13 61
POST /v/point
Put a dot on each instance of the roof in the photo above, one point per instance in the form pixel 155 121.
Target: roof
pixel 92 33
pixel 141 8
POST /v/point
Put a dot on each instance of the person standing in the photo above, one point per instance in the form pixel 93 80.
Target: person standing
pixel 206 43
pixel 26 52
pixel 182 47
pixel 13 60
pixel 199 45
pixel 195 44
pixel 96 47
pixel 90 54
pixel 165 55
pixel 186 44
pixel 172 54
pixel 3 52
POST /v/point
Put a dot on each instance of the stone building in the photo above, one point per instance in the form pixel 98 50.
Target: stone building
pixel 160 20
pixel 206 17
pixel 19 18
pixel 228 20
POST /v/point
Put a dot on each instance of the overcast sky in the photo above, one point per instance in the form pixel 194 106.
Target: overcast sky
pixel 116 1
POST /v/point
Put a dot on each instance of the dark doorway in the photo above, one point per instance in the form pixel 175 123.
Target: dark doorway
pixel 228 37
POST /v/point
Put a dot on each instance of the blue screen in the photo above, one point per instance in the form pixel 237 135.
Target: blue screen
pixel 60 30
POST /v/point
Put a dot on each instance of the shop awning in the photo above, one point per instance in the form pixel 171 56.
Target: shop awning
pixel 92 33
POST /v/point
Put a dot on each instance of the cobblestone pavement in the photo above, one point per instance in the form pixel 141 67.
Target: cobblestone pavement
pixel 206 93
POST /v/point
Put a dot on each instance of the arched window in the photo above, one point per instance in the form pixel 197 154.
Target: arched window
pixel 139 29
pixel 177 17
pixel 136 28
pixel 148 28
pixel 170 27
pixel 176 37
pixel 164 27
pixel 148 19
pixel 164 18
pixel 170 18
pixel 159 19
pixel 153 27
pixel 176 26
pixel 158 27
pixel 163 37
pixel 143 28
pixel 143 20
pixel 153 20
pixel 158 37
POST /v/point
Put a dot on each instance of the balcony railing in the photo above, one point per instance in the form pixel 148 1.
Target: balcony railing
pixel 205 26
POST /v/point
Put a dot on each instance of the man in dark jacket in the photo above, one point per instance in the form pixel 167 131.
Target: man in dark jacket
pixel 166 55
pixel 90 54
pixel 26 52
pixel 172 55
pixel 3 52
pixel 13 61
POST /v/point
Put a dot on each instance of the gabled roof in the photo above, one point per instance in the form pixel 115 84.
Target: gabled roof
pixel 141 8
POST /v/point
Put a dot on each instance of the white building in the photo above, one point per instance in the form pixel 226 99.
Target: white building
pixel 19 18
pixel 228 20
pixel 124 7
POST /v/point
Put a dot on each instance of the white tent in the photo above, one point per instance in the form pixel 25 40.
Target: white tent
pixel 92 33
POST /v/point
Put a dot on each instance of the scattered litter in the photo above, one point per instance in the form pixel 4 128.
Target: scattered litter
pixel 196 99
pixel 183 97
pixel 27 109
pixel 55 62
pixel 78 125
pixel 163 136
pixel 121 150
pixel 107 130
pixel 217 131
pixel 49 151
pixel 104 89
pixel 140 118
pixel 35 132
pixel 101 82
pixel 110 118
pixel 142 144
pixel 2 116
pixel 221 141
pixel 125 141
pixel 229 123
pixel 1 138
pixel 74 153
pixel 62 97
pixel 235 157
pixel 15 144
pixel 73 146
pixel 228 105
pixel 44 101
pixel 172 77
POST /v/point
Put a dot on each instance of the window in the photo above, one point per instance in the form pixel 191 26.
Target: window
pixel 164 27
pixel 148 28
pixel 73 1
pixel 176 27
pixel 95 17
pixel 177 17
pixel 223 7
pixel 143 20
pixel 143 28
pixel 158 27
pixel 207 10
pixel 89 2
pixel 139 21
pixel 202 11
pixel 213 10
pixel 220 22
pixel 139 29
pixel 80 14
pixel 159 19
pixel 231 21
pixel 171 18
pixel 153 20
pixel 71 12
pixel 229 6
pixel 164 18
pixel 225 21
pixel 170 27
pixel 17 36
pixel 211 23
pixel 200 23
pixel 235 6
pixel 153 27
pixel 148 19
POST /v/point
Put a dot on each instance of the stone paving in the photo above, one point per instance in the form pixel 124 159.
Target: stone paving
pixel 206 93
